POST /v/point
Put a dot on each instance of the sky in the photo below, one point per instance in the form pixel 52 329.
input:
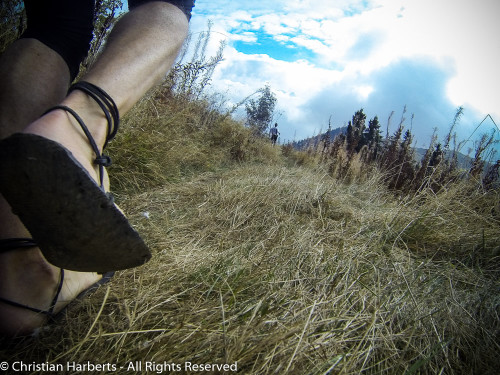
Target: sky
pixel 326 59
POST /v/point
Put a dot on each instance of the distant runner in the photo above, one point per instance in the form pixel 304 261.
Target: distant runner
pixel 273 133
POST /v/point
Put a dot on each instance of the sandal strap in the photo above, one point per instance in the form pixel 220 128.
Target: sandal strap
pixel 50 311
pixel 101 160
pixel 108 106
pixel 16 243
pixel 20 305
pixel 104 101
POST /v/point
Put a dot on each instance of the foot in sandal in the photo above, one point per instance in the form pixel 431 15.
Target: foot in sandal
pixel 53 177
pixel 52 171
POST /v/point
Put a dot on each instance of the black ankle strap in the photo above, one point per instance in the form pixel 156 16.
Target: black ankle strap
pixel 101 160
pixel 50 311
pixel 104 101
pixel 110 110
pixel 10 244
pixel 17 243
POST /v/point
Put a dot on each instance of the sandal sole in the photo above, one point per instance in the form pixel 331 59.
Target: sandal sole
pixel 73 221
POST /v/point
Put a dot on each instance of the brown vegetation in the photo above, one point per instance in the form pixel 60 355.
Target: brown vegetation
pixel 352 260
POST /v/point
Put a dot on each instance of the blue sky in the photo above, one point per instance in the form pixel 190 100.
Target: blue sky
pixel 327 58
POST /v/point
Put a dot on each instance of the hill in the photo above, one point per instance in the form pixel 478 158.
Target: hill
pixel 275 268
pixel 314 141
pixel 271 260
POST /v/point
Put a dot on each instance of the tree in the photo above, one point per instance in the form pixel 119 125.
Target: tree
pixel 437 156
pixel 355 131
pixel 391 149
pixel 491 176
pixel 406 171
pixel 326 138
pixel 478 163
pixel 106 13
pixel 260 111
pixel 373 138
pixel 425 166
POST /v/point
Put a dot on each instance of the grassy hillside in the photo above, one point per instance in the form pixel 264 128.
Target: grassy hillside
pixel 328 261
pixel 279 267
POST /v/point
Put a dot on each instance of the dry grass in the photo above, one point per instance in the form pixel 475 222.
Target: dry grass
pixel 270 262
pixel 286 270
pixel 282 269
pixel 165 138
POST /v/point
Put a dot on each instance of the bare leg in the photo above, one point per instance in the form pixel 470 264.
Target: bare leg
pixel 141 49
pixel 33 78
pixel 29 85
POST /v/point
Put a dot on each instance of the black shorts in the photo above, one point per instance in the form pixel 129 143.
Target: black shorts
pixel 66 26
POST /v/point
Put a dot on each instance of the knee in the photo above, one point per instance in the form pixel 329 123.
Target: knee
pixel 185 6
pixel 66 28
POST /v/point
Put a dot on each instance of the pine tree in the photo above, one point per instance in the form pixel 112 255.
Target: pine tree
pixel 391 153
pixel 437 156
pixel 355 131
pixel 492 176
pixel 373 138
pixel 326 137
pixel 406 172
pixel 477 163
pixel 422 172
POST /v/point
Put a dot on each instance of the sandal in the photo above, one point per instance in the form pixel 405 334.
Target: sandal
pixel 18 243
pixel 72 219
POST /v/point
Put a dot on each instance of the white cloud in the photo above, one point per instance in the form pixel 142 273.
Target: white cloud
pixel 300 78
pixel 247 37
pixel 364 91
pixel 459 33
pixel 351 40
pixel 282 39
pixel 313 45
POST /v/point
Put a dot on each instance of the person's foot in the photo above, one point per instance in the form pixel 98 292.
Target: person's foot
pixel 25 276
pixel 60 126
pixel 58 190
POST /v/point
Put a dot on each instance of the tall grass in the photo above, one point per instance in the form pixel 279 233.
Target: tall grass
pixel 283 262
pixel 167 137
pixel 287 270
